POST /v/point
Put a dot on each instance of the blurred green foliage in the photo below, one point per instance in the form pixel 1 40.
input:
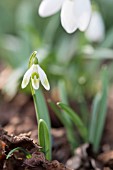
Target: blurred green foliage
pixel 91 128
pixel 63 56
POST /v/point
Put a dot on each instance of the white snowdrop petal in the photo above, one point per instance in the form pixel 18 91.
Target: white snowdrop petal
pixel 26 78
pixel 84 21
pixel 35 83
pixel 43 78
pixel 49 7
pixel 96 29
pixel 68 17
pixel 82 10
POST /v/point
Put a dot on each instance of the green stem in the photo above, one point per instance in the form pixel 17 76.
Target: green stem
pixel 27 154
pixel 42 112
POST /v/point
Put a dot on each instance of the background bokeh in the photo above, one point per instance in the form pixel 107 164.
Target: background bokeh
pixel 67 58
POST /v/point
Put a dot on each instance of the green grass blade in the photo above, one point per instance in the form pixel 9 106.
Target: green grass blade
pixel 27 154
pixel 41 107
pixel 102 111
pixel 94 117
pixel 43 114
pixel 84 112
pixel 69 127
pixel 58 113
pixel 62 91
pixel 72 138
pixel 44 138
pixel 76 119
pixel 65 117
pixel 64 99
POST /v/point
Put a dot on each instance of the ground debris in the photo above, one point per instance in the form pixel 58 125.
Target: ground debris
pixel 107 159
pixel 83 159
pixel 22 140
pixel 18 160
pixel 38 160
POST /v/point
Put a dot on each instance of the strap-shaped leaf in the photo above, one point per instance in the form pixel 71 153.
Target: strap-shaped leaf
pixel 68 126
pixel 43 114
pixel 94 117
pixel 44 138
pixel 27 154
pixel 102 110
pixel 41 107
pixel 76 119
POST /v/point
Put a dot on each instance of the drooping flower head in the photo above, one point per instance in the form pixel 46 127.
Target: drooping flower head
pixel 35 74
pixel 96 28
pixel 75 14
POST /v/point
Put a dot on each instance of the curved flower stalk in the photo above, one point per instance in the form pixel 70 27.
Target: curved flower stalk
pixel 75 14
pixel 36 74
pixel 96 29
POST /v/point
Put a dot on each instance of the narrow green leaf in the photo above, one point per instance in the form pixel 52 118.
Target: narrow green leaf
pixel 62 91
pixel 84 111
pixel 102 110
pixel 64 99
pixel 94 117
pixel 72 138
pixel 27 154
pixel 58 112
pixel 41 107
pixel 44 138
pixel 69 127
pixel 68 124
pixel 42 113
pixel 76 119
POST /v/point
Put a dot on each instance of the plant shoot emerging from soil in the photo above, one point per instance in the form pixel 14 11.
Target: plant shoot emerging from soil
pixel 35 74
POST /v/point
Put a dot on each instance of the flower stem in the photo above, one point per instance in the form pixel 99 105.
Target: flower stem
pixel 42 113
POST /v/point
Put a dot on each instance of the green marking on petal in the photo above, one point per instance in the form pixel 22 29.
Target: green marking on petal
pixel 46 82
pixel 24 83
pixel 35 75
pixel 35 82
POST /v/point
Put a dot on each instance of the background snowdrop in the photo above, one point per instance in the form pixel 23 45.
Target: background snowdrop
pixel 75 14
pixel 96 29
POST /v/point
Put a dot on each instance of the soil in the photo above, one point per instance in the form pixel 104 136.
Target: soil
pixel 18 116
pixel 18 159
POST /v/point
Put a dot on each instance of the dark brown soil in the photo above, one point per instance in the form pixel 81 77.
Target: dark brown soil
pixel 17 160
pixel 18 116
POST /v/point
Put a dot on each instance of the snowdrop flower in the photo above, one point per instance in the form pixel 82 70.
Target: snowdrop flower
pixel 75 14
pixel 35 74
pixel 96 29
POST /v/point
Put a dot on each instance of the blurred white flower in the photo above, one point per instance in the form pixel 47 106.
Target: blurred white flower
pixel 96 29
pixel 36 74
pixel 75 14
